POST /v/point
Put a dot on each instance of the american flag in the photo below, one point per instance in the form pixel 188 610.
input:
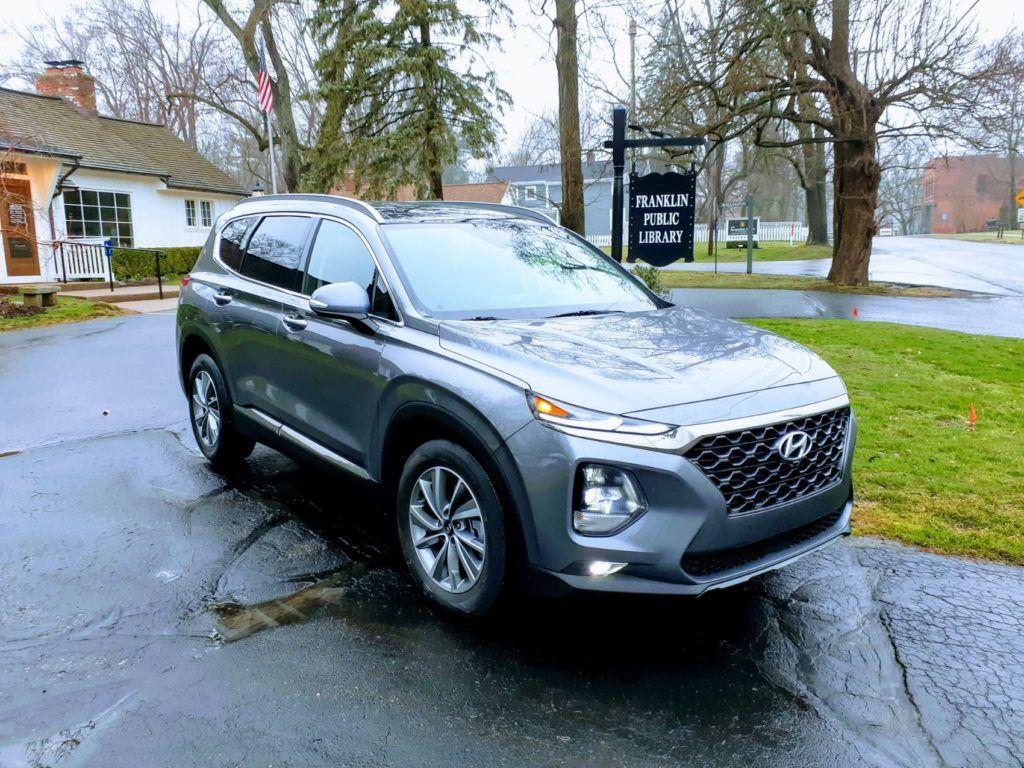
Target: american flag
pixel 263 91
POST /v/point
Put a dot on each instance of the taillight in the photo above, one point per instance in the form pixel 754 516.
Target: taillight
pixel 185 280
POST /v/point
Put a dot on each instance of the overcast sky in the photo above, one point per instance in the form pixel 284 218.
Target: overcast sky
pixel 524 63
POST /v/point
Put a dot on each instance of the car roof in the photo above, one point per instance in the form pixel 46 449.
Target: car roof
pixel 386 212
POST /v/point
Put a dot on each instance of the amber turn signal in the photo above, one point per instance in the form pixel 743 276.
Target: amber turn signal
pixel 548 408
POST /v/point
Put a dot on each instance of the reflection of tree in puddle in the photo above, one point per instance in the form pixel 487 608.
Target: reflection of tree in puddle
pixel 238 621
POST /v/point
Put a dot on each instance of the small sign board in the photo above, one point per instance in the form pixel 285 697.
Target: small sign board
pixel 661 213
pixel 1020 197
pixel 16 214
pixel 1020 215
pixel 736 232
pixel 108 248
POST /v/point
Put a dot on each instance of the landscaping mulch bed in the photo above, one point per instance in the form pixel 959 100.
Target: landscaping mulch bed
pixel 10 309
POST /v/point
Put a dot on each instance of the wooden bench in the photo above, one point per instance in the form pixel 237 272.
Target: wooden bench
pixel 39 295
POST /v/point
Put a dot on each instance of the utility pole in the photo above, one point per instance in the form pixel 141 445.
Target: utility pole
pixel 750 234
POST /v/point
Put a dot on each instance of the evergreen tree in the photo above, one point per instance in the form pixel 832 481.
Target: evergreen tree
pixel 404 87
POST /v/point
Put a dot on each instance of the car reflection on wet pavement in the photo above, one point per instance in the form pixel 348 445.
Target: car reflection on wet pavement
pixel 153 612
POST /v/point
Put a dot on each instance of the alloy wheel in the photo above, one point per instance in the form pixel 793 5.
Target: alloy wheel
pixel 447 529
pixel 205 409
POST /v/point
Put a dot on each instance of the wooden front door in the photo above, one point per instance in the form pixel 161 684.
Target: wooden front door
pixel 18 222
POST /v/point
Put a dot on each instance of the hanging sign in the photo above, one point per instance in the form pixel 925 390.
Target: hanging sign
pixel 661 214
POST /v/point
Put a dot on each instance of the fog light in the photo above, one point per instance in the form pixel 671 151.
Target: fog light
pixel 604 568
pixel 606 499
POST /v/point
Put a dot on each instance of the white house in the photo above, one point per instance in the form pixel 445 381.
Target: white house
pixel 69 175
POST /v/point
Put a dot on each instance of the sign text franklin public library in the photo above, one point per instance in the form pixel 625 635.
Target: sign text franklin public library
pixel 661 218
pixel 661 210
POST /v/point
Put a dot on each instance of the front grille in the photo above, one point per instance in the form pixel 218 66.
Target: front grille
pixel 751 473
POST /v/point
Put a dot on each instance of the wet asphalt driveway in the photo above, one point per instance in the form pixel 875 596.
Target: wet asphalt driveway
pixel 153 612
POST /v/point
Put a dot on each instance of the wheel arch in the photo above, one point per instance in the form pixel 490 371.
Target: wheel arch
pixel 414 423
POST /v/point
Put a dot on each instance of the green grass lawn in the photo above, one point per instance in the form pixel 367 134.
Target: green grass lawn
pixel 767 252
pixel 695 279
pixel 67 310
pixel 922 475
pixel 1011 236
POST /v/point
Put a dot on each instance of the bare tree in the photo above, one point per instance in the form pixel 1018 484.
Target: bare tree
pixel 567 67
pixel 259 20
pixel 887 72
pixel 993 119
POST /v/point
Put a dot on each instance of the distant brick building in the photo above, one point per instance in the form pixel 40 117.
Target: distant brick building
pixel 961 194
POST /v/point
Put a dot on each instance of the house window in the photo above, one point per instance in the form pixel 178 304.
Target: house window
pixel 206 212
pixel 95 214
pixel 190 213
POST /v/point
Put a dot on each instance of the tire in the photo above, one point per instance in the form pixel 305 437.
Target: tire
pixel 466 538
pixel 211 415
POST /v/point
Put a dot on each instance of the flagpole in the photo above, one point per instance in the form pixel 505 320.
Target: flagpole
pixel 273 171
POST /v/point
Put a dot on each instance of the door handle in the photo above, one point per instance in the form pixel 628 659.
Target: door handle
pixel 294 322
pixel 222 297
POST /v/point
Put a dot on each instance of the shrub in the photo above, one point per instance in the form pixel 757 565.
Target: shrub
pixel 651 276
pixel 132 264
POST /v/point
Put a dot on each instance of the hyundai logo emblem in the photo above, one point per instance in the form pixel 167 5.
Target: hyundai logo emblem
pixel 794 446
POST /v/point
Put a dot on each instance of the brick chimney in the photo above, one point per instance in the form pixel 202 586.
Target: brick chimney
pixel 69 80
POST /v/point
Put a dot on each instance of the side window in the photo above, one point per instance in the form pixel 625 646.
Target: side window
pixel 232 239
pixel 274 253
pixel 339 256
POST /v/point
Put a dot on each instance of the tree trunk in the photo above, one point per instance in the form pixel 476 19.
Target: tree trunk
pixel 857 176
pixel 816 177
pixel 1013 189
pixel 434 167
pixel 566 64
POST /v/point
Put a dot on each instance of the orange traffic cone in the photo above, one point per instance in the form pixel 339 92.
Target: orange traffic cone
pixel 972 418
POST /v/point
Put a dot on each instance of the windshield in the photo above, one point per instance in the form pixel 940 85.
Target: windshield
pixel 499 268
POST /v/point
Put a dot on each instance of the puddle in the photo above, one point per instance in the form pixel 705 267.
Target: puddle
pixel 238 621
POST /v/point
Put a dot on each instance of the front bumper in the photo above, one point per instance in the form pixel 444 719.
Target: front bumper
pixel 685 543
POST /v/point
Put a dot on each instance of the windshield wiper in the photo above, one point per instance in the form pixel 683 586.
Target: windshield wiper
pixel 483 317
pixel 582 312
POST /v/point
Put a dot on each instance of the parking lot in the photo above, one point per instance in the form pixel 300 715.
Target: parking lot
pixel 153 612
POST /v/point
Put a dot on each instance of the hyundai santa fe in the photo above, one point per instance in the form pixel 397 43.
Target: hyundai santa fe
pixel 532 412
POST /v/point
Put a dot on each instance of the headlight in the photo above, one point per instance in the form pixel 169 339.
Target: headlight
pixel 605 500
pixel 596 425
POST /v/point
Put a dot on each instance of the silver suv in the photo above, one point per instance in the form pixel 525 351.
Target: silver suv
pixel 531 409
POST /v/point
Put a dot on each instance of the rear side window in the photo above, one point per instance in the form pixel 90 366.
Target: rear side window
pixel 339 255
pixel 274 253
pixel 232 240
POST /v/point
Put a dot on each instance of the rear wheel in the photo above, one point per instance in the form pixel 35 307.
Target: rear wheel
pixel 451 527
pixel 211 415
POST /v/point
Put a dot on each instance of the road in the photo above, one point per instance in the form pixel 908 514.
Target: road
pixel 154 612
pixel 983 267
pixel 988 315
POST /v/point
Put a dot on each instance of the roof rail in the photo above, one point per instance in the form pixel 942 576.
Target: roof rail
pixel 348 202
pixel 515 210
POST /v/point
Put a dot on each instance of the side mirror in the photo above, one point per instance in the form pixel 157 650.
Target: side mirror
pixel 345 300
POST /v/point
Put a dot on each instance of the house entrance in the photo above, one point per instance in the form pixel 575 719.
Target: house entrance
pixel 18 223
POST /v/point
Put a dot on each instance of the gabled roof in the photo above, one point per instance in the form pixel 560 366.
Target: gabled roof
pixel 485 192
pixel 50 125
pixel 549 172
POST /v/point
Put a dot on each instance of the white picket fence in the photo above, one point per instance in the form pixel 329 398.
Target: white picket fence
pixel 768 232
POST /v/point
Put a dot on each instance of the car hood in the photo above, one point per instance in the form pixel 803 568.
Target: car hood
pixel 624 363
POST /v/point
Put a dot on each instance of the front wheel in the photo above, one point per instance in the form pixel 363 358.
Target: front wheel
pixel 451 527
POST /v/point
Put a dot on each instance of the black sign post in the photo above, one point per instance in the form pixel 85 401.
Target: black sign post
pixel 618 145
pixel 661 212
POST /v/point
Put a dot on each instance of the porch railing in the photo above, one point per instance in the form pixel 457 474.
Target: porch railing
pixel 81 261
